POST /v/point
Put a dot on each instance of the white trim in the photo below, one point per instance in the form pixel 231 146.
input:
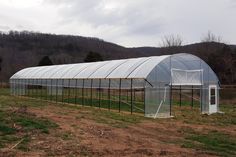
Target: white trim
pixel 213 107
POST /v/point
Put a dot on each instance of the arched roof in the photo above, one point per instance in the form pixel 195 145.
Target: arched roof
pixel 125 68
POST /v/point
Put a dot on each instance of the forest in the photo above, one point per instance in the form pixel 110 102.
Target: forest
pixel 23 49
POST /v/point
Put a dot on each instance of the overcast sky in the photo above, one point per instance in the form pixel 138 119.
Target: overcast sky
pixel 130 23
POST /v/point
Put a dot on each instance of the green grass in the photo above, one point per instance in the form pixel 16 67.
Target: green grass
pixel 193 116
pixel 7 100
pixel 67 136
pixel 4 129
pixel 125 105
pixel 24 145
pixel 208 141
pixel 213 142
pixel 26 123
pixel 32 123
pixel 104 103
pixel 111 118
pixel 116 119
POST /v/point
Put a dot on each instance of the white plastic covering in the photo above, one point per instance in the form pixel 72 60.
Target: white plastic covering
pixel 126 68
pixel 155 75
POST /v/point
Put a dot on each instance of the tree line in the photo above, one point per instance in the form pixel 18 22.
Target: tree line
pixel 19 50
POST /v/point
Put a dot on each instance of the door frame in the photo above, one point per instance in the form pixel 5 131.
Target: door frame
pixel 213 107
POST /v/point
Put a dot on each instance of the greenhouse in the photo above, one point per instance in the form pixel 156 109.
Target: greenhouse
pixel 143 85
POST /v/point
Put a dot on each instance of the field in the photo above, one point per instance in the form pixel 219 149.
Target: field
pixel 30 127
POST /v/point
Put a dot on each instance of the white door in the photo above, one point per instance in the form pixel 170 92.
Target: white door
pixel 212 99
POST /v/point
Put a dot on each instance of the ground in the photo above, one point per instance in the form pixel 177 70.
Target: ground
pixel 30 127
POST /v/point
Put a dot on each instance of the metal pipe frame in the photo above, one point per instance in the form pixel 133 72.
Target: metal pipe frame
pixel 131 93
pixel 99 93
pixel 91 92
pixel 144 98
pixel 76 91
pixel 83 93
pixel 51 91
pixel 109 94
pixel 68 95
pixel 62 94
pixel 192 97
pixel 56 89
pixel 180 96
pixel 41 91
pixel 119 93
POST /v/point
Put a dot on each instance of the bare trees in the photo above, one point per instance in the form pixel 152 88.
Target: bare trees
pixel 176 40
pixel 172 41
pixel 210 37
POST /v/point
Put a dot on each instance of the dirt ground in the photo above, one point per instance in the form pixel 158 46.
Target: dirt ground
pixel 80 135
pixel 87 131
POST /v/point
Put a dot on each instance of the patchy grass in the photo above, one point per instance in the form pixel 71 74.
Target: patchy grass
pixel 214 139
pixel 17 124
pixel 4 129
pixel 112 118
pixel 32 123
pixel 116 119
pixel 24 145
pixel 104 103
pixel 193 116
pixel 213 142
pixel 67 136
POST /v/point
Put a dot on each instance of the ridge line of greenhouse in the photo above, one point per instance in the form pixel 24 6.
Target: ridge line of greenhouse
pixel 124 68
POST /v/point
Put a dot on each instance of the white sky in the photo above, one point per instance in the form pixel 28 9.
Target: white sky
pixel 130 23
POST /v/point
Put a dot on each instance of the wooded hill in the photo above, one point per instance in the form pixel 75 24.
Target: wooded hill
pixel 25 49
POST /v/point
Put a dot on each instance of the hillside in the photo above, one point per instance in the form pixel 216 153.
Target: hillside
pixel 24 49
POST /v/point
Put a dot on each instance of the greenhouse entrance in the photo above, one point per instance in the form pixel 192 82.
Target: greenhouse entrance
pixel 186 86
pixel 212 99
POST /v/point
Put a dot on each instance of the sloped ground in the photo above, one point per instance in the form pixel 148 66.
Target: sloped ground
pixel 33 128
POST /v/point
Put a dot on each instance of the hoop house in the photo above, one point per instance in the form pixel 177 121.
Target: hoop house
pixel 142 85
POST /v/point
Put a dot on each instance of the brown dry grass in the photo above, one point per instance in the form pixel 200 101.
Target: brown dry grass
pixel 85 131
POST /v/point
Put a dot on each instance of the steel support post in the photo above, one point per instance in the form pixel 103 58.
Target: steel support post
pixel 180 96
pixel 91 92
pixel 119 94
pixel 76 81
pixel 51 91
pixel 62 94
pixel 99 93
pixel 56 89
pixel 131 94
pixel 68 95
pixel 109 94
pixel 171 99
pixel 192 97
pixel 83 93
